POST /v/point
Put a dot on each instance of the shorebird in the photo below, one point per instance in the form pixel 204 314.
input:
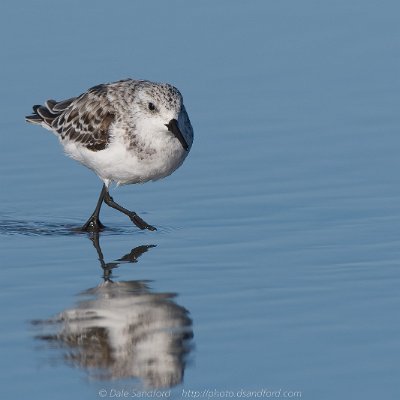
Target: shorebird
pixel 130 131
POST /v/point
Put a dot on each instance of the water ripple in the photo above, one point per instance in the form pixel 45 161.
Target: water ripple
pixel 11 227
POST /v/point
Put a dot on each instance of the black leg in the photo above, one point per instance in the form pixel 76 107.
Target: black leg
pixel 131 214
pixel 93 224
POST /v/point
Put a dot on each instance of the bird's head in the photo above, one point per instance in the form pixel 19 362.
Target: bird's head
pixel 161 105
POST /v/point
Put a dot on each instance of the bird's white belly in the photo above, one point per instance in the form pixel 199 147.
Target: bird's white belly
pixel 118 164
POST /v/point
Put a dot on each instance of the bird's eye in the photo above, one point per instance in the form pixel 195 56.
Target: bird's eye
pixel 151 106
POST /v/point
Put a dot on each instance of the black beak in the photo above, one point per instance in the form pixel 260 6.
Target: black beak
pixel 174 128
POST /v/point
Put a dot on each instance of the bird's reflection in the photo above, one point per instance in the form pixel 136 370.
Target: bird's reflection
pixel 124 330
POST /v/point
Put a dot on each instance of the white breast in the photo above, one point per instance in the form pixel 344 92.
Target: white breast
pixel 124 164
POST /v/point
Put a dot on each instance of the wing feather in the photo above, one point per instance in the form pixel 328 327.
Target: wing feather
pixel 85 119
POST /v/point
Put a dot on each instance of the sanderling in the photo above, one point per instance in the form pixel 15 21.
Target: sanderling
pixel 130 131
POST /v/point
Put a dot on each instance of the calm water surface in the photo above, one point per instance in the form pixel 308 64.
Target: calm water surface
pixel 276 262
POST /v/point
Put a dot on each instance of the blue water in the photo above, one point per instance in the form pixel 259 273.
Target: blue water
pixel 275 266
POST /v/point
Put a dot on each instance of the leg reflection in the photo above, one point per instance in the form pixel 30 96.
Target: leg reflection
pixel 131 257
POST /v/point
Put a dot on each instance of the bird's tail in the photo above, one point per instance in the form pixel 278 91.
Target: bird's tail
pixel 46 114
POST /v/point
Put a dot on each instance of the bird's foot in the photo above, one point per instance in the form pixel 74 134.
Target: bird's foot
pixel 93 224
pixel 139 222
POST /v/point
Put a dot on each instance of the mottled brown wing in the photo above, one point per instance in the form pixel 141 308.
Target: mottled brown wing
pixel 85 119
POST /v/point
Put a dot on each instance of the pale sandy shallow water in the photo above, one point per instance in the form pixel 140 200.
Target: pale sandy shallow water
pixel 277 252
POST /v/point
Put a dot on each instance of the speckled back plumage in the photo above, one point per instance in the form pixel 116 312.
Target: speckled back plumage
pixel 85 119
